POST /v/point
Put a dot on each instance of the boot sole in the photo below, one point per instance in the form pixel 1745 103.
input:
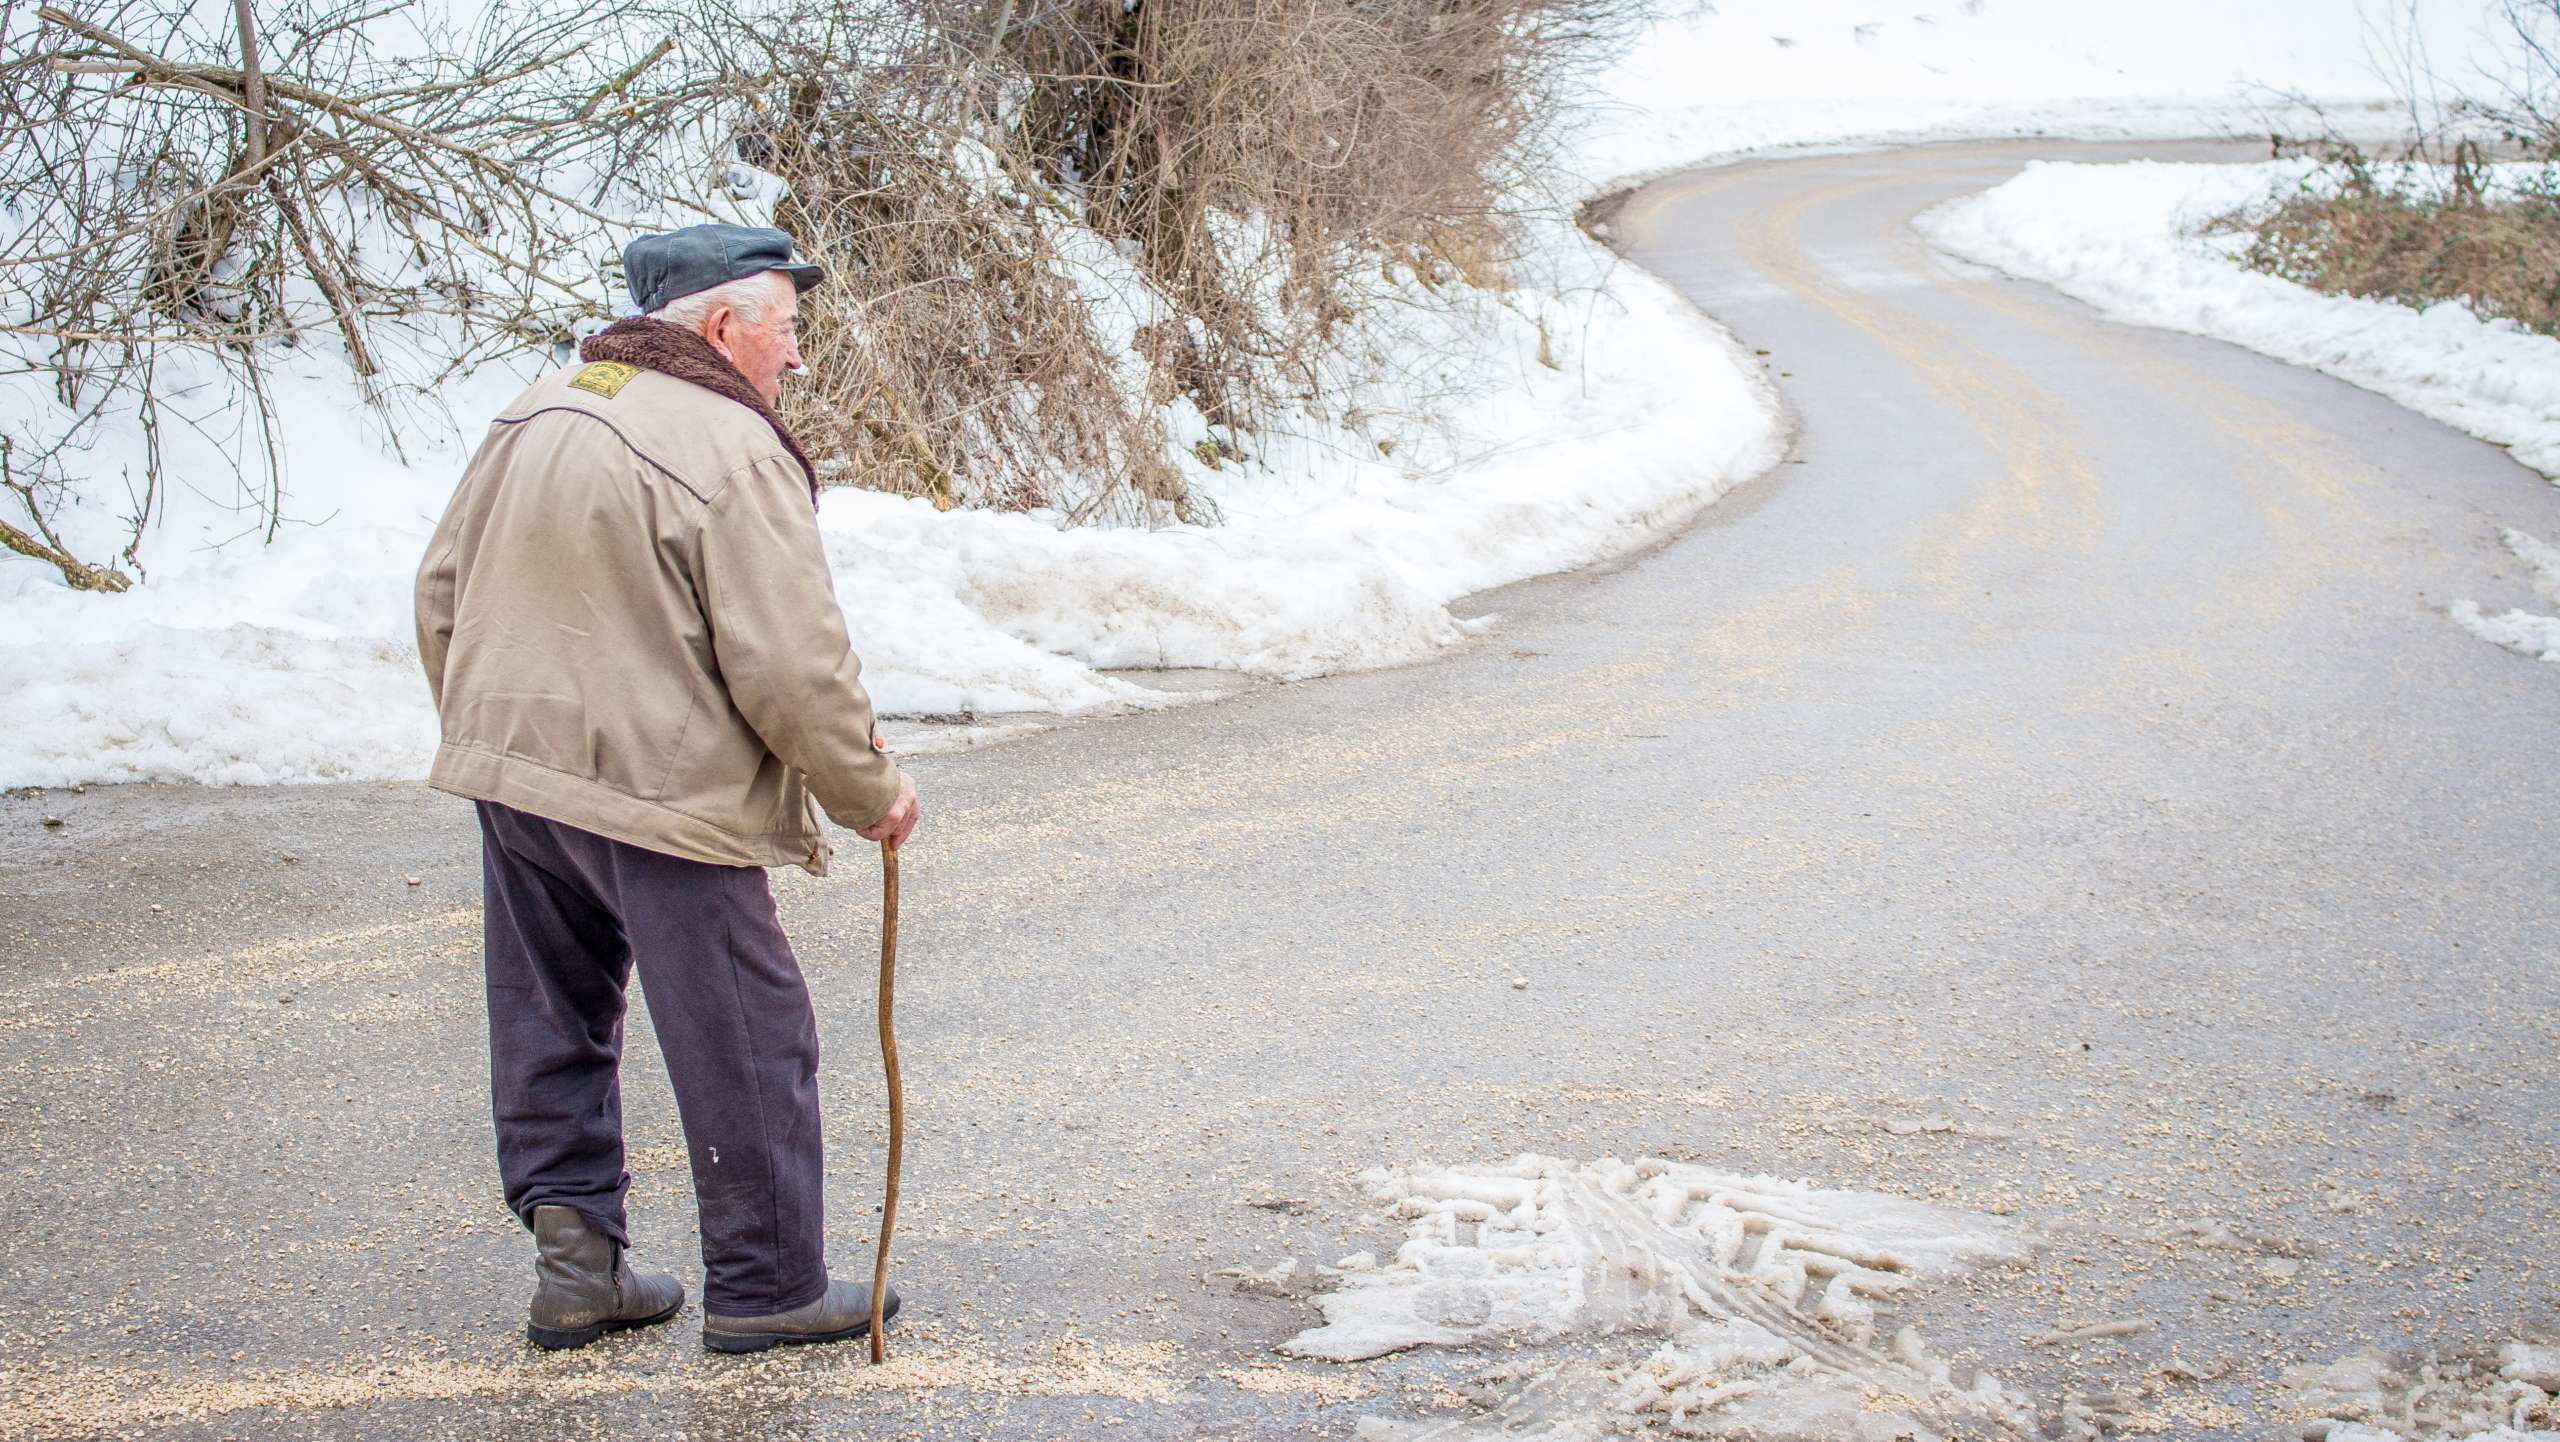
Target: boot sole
pixel 563 1339
pixel 734 1342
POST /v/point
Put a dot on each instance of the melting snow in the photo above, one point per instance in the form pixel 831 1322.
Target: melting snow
pixel 2520 630
pixel 2365 1398
pixel 1753 1308
pixel 1764 1295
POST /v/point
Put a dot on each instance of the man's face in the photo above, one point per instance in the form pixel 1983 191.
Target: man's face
pixel 764 348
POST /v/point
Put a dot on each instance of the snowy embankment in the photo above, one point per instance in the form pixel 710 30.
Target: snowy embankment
pixel 1573 423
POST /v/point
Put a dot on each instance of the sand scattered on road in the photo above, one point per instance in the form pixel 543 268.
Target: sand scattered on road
pixel 114 1401
pixel 1292 1382
pixel 294 963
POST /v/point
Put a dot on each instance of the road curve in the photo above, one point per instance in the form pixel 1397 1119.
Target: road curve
pixel 2067 742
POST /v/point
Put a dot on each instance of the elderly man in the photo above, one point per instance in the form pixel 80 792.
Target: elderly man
pixel 643 678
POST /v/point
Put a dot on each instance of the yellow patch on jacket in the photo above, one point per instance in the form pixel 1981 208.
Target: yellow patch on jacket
pixel 605 378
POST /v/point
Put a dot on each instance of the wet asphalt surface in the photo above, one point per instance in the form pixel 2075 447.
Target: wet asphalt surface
pixel 2056 790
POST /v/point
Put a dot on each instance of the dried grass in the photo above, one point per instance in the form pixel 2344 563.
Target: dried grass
pixel 2432 219
pixel 1253 162
pixel 2500 256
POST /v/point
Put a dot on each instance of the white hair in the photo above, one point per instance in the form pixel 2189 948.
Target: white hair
pixel 749 295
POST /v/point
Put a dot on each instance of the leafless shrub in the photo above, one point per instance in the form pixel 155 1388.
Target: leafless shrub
pixel 1253 162
pixel 214 191
pixel 2465 207
pixel 1344 132
pixel 2522 105
pixel 957 353
pixel 2379 238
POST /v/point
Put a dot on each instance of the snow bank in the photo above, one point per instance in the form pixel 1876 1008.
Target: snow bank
pixel 1764 1296
pixel 1573 423
pixel 2125 239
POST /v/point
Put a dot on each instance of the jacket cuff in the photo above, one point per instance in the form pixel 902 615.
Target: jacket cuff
pixel 866 810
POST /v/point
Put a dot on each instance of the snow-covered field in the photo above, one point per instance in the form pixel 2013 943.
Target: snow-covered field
pixel 241 660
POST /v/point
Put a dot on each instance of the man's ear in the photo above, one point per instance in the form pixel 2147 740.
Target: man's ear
pixel 716 327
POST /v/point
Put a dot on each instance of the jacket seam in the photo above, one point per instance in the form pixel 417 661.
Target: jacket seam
pixel 733 472
pixel 675 753
pixel 447 602
pixel 633 446
pixel 618 791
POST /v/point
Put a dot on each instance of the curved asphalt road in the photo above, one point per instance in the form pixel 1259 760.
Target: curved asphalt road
pixel 2067 743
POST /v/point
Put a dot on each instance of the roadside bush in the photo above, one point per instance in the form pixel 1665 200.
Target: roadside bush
pixel 2468 210
pixel 1100 208
pixel 2397 236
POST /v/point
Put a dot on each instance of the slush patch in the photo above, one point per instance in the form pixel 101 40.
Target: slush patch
pixel 605 378
pixel 1761 1305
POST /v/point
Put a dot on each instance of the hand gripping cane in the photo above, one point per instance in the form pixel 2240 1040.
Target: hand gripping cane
pixel 897 1094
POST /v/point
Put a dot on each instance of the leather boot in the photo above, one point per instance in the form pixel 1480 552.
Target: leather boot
pixel 842 1311
pixel 582 1289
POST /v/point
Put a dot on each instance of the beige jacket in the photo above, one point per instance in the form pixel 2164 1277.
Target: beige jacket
pixel 628 624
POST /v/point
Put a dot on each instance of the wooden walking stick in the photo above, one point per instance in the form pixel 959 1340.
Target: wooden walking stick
pixel 897 1094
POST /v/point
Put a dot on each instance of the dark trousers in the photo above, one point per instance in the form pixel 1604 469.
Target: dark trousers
pixel 570 915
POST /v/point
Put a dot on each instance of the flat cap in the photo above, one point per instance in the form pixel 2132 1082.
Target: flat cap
pixel 663 266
